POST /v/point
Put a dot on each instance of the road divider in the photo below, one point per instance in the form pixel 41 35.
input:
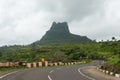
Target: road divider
pixel 39 64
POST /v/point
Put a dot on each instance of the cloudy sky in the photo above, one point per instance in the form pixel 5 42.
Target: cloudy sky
pixel 25 21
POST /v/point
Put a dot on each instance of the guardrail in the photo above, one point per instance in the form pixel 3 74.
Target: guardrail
pixel 108 72
pixel 36 64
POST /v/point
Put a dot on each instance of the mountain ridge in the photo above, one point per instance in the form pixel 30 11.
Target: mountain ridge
pixel 59 34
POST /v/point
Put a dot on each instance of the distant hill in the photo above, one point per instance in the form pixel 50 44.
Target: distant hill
pixel 59 34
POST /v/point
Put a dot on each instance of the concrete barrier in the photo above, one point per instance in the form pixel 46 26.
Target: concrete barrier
pixel 11 64
pixel 69 63
pixel 60 63
pixel 75 62
pixel 103 71
pixel 35 64
pixel 107 72
pixel 66 64
pixel 39 64
pixel 55 64
pixel 79 62
pixel 111 73
pixel 50 64
pixel 72 63
pixel 29 65
pixel 117 75
pixel 6 64
pixel 46 63
pixel 97 68
pixel 24 64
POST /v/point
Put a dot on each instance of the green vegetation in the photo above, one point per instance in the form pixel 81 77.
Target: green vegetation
pixel 11 68
pixel 109 51
pixel 58 44
pixel 4 70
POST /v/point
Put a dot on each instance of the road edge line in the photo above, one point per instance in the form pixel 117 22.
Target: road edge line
pixel 79 70
pixel 49 77
pixel 7 74
pixel 51 71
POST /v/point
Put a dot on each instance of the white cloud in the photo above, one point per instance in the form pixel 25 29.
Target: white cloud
pixel 101 25
pixel 25 21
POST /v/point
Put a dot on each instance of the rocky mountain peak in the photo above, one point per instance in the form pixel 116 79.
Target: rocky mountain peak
pixel 59 34
pixel 60 27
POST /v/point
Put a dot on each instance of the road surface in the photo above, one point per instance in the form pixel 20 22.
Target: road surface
pixel 54 73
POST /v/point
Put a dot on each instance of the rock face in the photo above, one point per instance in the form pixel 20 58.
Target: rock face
pixel 59 34
pixel 60 27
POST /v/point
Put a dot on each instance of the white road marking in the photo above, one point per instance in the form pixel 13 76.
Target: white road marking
pixel 49 77
pixel 79 70
pixel 51 71
pixel 7 74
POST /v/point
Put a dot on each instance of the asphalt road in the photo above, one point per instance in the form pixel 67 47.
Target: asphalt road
pixel 55 73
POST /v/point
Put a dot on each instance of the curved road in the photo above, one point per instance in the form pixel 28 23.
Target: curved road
pixel 54 73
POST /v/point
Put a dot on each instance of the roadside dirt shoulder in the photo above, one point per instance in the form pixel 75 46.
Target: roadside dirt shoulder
pixel 93 72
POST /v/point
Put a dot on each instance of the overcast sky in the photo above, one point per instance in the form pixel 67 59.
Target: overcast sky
pixel 25 21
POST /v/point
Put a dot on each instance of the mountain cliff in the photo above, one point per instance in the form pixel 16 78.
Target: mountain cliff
pixel 59 34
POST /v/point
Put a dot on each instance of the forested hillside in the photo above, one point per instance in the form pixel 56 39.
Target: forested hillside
pixel 109 51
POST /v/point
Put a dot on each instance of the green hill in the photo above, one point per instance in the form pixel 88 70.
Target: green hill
pixel 59 34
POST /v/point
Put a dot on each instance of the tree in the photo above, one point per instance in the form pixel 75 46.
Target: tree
pixel 0 54
pixel 56 56
pixel 113 39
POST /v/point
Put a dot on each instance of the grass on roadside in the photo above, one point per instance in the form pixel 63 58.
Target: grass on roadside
pixel 11 68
